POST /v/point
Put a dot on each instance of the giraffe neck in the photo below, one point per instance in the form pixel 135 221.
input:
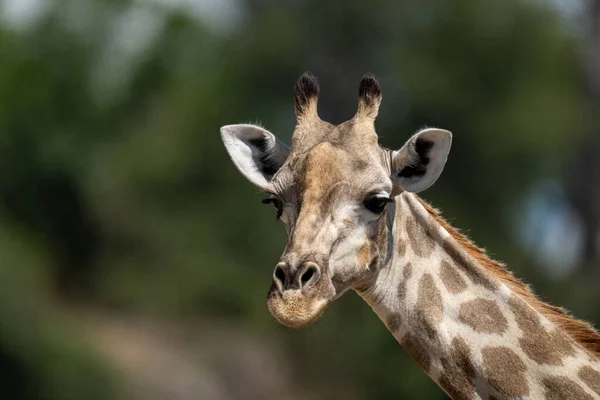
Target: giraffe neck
pixel 469 329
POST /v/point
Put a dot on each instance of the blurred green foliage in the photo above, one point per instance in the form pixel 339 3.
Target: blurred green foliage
pixel 116 190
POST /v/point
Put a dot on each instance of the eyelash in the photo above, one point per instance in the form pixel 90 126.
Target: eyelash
pixel 276 203
pixel 376 204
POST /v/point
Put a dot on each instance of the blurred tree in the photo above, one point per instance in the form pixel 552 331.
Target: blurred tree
pixel 584 173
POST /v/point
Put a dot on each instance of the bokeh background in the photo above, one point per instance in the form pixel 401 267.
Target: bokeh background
pixel 135 259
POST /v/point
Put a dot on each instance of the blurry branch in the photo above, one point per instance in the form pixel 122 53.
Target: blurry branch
pixel 583 179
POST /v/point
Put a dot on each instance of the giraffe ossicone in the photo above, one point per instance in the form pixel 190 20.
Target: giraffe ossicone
pixel 354 221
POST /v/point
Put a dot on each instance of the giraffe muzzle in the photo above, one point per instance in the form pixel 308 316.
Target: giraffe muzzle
pixel 295 299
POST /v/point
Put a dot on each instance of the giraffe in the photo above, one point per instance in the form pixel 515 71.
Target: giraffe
pixel 354 221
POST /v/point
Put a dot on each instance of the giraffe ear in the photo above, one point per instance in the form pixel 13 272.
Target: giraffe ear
pixel 255 151
pixel 419 163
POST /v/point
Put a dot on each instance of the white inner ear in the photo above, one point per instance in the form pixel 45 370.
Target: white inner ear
pixel 255 152
pixel 437 155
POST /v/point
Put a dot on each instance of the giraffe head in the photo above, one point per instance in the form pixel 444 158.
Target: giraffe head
pixel 333 190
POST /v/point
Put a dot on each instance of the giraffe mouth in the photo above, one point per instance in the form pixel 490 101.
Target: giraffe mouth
pixel 294 310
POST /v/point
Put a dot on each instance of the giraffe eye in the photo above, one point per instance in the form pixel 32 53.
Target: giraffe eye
pixel 376 204
pixel 276 203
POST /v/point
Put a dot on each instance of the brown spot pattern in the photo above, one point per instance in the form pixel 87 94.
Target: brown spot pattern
pixel 421 241
pixel 562 388
pixel 401 247
pixel 457 377
pixel 470 269
pixel 430 308
pixel 454 382
pixel 462 354
pixel 540 345
pixel 407 273
pixel 451 278
pixel 582 332
pixel 483 316
pixel 417 350
pixel 591 377
pixel 393 324
pixel 526 318
pixel 505 371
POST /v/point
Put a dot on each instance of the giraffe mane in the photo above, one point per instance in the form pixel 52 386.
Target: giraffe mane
pixel 580 331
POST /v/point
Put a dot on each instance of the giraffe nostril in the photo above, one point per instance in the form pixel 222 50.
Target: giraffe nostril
pixel 308 275
pixel 280 275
